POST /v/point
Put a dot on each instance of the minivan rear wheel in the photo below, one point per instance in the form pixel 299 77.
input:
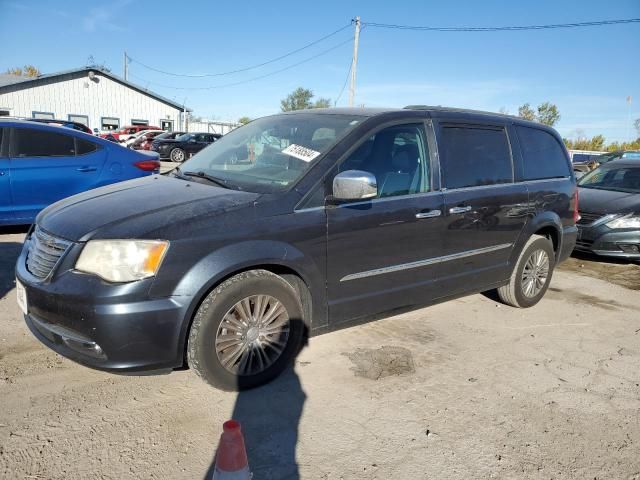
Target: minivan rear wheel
pixel 531 275
pixel 246 331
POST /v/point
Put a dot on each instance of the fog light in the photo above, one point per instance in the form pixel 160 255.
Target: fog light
pixel 629 248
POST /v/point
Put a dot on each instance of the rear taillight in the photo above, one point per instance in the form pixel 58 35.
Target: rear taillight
pixel 576 200
pixel 148 165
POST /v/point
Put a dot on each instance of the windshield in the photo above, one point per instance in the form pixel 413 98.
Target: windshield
pixel 619 179
pixel 271 153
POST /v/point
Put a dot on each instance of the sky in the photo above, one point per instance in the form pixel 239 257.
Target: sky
pixel 587 72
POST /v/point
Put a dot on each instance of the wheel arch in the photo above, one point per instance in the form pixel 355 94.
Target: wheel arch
pixel 547 224
pixel 276 257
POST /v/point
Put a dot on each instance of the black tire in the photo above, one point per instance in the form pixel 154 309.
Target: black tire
pixel 513 293
pixel 201 349
pixel 177 155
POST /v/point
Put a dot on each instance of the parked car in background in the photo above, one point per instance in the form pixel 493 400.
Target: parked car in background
pixel 618 155
pixel 40 164
pixel 144 141
pixel 125 133
pixel 131 140
pixel 586 162
pixel 609 222
pixel 299 222
pixel 182 147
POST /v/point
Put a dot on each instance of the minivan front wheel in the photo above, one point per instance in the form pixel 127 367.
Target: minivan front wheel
pixel 246 331
pixel 531 275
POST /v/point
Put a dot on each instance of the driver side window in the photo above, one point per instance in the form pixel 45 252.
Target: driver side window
pixel 397 156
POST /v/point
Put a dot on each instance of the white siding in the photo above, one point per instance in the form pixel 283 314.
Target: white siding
pixel 211 127
pixel 101 97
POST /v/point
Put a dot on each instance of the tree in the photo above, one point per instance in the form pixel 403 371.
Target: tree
pixel 596 143
pixel 322 103
pixel 637 125
pixel 526 112
pixel 547 113
pixel 300 99
pixel 26 71
pixel 244 120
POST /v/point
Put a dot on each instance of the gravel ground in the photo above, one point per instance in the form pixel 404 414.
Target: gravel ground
pixel 465 389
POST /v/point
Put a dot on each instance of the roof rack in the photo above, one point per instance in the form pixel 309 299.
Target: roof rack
pixel 455 109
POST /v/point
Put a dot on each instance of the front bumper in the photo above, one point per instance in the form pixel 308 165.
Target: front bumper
pixel 113 327
pixel 163 152
pixel 604 241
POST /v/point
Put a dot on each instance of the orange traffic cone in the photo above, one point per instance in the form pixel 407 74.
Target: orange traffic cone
pixel 231 456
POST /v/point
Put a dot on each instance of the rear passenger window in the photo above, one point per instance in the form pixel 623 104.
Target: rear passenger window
pixel 84 147
pixel 474 156
pixel 40 143
pixel 543 156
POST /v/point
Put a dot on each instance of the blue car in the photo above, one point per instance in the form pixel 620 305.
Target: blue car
pixel 41 164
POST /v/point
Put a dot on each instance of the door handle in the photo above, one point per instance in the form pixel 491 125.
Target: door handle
pixel 460 209
pixel 429 214
pixel 86 169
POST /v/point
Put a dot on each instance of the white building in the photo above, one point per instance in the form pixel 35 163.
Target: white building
pixel 89 95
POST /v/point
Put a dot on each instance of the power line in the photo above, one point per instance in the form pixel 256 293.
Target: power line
pixel 252 67
pixel 504 28
pixel 233 84
pixel 344 85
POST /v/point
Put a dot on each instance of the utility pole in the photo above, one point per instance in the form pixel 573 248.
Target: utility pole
pixel 354 64
pixel 126 66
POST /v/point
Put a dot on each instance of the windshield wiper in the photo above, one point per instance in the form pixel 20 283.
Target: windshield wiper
pixel 201 174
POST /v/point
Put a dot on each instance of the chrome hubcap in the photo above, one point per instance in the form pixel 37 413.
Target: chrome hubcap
pixel 178 156
pixel 252 335
pixel 535 273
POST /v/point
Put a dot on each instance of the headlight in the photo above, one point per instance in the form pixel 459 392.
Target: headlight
pixel 122 260
pixel 628 221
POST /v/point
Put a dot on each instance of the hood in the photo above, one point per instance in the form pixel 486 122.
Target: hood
pixel 608 201
pixel 148 207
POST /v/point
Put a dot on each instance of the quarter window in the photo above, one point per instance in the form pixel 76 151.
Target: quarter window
pixel 543 156
pixel 84 147
pixel 398 158
pixel 475 156
pixel 40 143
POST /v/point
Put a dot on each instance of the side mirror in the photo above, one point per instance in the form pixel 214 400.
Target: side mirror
pixel 354 185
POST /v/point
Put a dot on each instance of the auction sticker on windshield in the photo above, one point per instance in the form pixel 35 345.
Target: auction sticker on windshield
pixel 22 296
pixel 302 153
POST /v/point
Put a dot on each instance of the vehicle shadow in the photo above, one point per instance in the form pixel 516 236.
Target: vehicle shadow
pixel 269 416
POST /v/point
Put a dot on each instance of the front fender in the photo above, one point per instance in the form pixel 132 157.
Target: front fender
pixel 222 263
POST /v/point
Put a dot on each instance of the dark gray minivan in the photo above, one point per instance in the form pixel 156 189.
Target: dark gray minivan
pixel 297 224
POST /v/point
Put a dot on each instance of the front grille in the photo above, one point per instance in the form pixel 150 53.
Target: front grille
pixel 587 218
pixel 43 252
